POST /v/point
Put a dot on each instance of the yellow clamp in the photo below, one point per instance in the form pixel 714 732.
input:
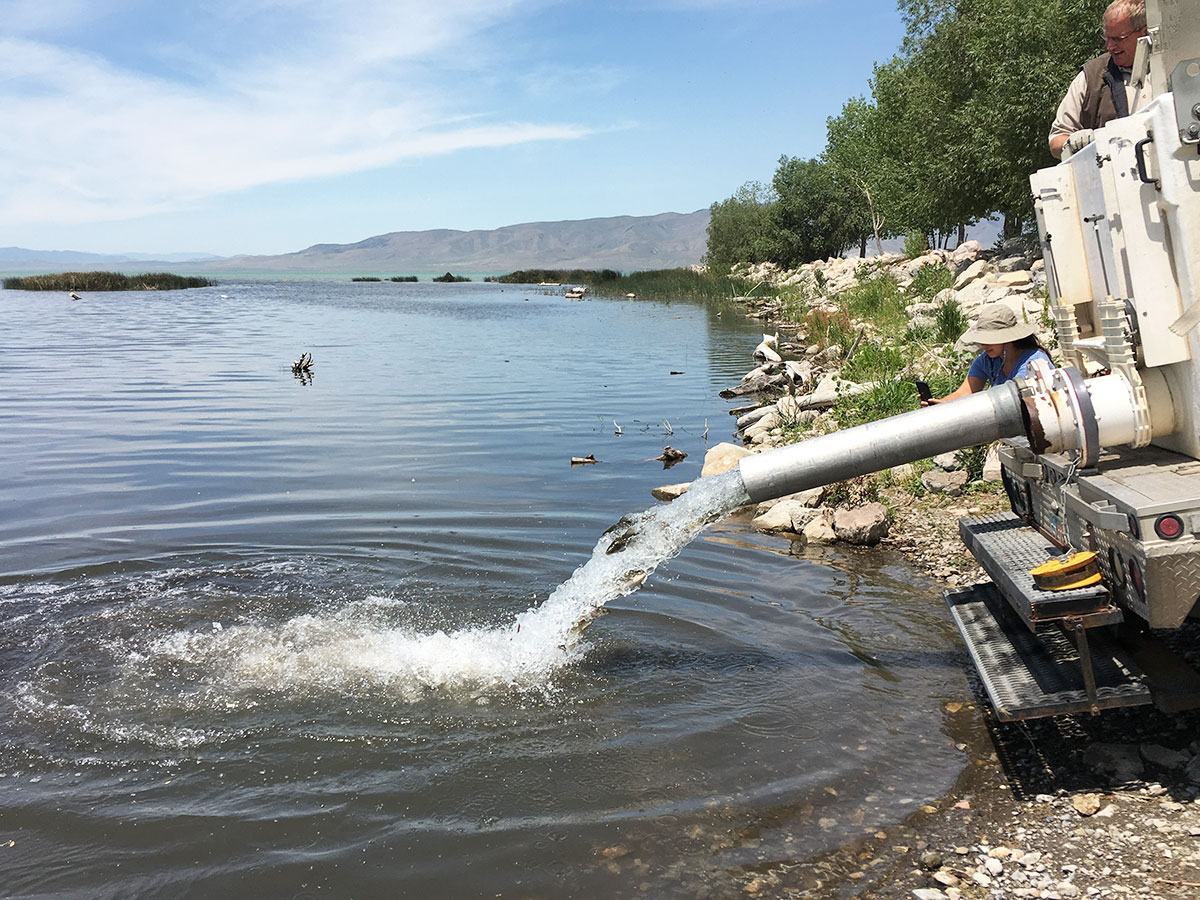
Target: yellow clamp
pixel 1063 574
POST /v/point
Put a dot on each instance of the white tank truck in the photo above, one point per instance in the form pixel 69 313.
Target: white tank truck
pixel 1100 457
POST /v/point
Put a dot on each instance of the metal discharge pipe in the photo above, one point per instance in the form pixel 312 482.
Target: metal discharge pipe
pixel 976 419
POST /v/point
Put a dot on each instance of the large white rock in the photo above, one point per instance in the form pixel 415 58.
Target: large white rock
pixel 669 492
pixel 973 272
pixel 967 250
pixel 722 458
pixel 819 530
pixel 1013 279
pixel 828 390
pixel 778 518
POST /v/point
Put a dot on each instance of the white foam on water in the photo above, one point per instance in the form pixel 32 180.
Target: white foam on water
pixel 342 653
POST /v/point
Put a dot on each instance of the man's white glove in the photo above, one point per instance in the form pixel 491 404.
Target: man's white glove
pixel 1080 139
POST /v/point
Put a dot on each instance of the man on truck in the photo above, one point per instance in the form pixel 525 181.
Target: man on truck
pixel 1103 89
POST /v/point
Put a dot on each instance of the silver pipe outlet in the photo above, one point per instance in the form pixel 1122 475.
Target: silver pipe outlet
pixel 967 422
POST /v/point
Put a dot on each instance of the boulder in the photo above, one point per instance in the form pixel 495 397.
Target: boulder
pixel 1012 264
pixel 967 251
pixel 973 272
pixel 766 423
pixel 669 492
pixel 722 458
pixel 778 518
pixel 818 530
pixel 947 462
pixel 1163 757
pixel 863 525
pixel 828 390
pixel 753 416
pixel 948 483
pixel 991 464
pixel 1014 279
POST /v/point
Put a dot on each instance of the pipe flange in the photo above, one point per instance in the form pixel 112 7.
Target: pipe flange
pixel 1070 381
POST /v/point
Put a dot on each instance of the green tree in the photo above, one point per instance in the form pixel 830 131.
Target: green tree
pixel 851 148
pixel 741 228
pixel 985 77
pixel 814 211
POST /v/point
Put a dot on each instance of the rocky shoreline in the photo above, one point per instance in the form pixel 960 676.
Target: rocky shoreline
pixel 1067 807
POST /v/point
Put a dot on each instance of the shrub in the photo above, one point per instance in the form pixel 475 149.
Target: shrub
pixel 929 280
pixel 915 244
pixel 952 322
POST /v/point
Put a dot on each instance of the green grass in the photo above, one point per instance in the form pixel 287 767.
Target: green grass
pixel 879 300
pixel 105 281
pixel 888 398
pixel 872 362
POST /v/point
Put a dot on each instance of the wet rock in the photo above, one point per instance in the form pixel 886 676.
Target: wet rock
pixel 778 518
pixel 863 525
pixel 722 458
pixel 669 492
pixel 819 530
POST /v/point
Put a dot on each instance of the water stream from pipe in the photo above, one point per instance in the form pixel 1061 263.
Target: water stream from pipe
pixel 332 652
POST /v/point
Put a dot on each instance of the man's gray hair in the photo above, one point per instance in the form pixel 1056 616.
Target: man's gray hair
pixel 1133 10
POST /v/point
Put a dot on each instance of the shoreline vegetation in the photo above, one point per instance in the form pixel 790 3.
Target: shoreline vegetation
pixel 106 281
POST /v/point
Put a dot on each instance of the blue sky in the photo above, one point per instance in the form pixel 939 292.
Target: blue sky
pixel 265 126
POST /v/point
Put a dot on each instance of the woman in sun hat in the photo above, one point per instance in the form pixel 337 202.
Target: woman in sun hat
pixel 1007 347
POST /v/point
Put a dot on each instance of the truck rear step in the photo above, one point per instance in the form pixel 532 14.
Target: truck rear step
pixel 1029 674
pixel 1007 549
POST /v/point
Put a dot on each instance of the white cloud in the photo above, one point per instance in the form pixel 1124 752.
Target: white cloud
pixel 277 90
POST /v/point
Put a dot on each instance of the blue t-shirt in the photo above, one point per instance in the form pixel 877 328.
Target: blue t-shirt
pixel 990 370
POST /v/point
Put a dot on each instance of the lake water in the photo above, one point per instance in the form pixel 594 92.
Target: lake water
pixel 266 638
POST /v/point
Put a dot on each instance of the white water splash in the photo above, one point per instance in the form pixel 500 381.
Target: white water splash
pixel 342 654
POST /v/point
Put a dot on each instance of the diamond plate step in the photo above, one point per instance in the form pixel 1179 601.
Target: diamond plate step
pixel 1007 549
pixel 1031 674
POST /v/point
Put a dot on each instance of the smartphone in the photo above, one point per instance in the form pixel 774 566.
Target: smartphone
pixel 923 391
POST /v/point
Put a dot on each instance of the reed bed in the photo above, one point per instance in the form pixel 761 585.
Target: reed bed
pixel 105 281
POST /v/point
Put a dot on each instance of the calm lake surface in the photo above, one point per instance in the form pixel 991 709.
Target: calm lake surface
pixel 243 619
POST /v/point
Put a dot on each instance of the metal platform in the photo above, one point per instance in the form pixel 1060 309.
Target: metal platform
pixel 1030 674
pixel 1007 549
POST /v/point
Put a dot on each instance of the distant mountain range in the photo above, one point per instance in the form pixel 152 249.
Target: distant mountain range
pixel 625 243
pixel 20 258
pixel 620 242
